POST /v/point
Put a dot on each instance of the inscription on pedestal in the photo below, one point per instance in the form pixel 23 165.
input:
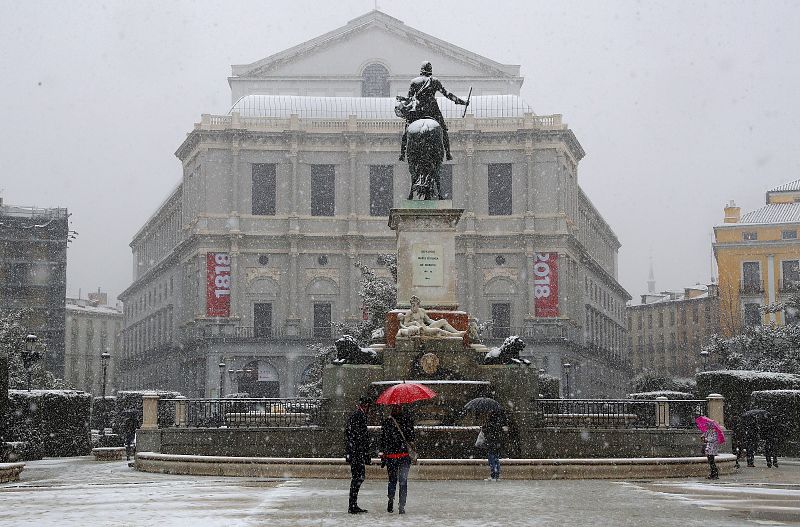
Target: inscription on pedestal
pixel 428 267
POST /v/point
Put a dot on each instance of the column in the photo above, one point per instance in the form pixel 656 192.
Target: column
pixel 771 286
pixel 150 412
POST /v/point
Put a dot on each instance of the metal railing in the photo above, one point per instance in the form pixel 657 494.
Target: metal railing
pixel 619 413
pixel 246 412
pixel 264 332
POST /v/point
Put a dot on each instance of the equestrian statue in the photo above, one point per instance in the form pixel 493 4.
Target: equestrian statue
pixel 425 140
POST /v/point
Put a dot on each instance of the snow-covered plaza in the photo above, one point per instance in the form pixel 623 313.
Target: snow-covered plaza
pixel 81 492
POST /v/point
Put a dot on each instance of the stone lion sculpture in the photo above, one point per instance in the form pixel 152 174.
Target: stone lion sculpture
pixel 349 352
pixel 508 353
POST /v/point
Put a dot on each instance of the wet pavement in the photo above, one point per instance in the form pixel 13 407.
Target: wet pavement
pixel 83 492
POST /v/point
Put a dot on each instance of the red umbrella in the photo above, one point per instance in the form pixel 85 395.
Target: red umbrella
pixel 406 392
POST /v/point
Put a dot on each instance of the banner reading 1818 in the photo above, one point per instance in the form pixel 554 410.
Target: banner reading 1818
pixel 545 284
pixel 218 284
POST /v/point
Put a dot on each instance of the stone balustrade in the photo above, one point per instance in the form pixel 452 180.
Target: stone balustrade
pixel 10 471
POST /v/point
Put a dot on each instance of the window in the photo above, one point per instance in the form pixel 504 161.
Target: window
pixel 661 320
pixel 322 320
pixel 262 320
pixel 375 81
pixel 639 321
pixel 752 314
pixel 749 235
pixel 791 275
pixel 263 200
pixel 323 178
pixel 671 318
pixel 381 189
pixel 501 320
pixel 499 190
pixel 789 235
pixel 649 321
pixel 446 181
pixel 751 277
pixel 695 314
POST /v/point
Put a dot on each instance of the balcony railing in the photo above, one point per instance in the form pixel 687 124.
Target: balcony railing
pixel 751 287
pixel 621 413
pixel 261 332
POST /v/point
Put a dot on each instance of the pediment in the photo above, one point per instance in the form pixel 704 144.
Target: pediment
pixel 374 37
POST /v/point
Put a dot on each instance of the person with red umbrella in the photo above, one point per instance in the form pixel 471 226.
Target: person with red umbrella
pixel 397 438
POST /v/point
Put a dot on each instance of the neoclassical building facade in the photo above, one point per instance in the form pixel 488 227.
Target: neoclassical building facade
pixel 252 256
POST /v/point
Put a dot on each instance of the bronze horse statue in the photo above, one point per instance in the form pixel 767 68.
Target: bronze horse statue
pixel 425 152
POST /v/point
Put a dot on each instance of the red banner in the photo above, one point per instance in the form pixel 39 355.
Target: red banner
pixel 545 284
pixel 218 285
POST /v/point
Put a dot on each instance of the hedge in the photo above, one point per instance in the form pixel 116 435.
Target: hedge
pixel 786 405
pixel 737 385
pixel 51 423
pixel 669 394
pixel 128 401
pixel 104 412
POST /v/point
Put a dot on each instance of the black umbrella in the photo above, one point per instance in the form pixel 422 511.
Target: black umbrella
pixel 756 414
pixel 483 404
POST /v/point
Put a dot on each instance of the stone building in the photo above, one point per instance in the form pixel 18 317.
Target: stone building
pixel 667 330
pixel 758 257
pixel 252 256
pixel 92 327
pixel 33 273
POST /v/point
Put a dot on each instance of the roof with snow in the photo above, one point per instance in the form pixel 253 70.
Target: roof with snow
pixel 282 106
pixel 772 213
pixel 792 186
pixel 95 310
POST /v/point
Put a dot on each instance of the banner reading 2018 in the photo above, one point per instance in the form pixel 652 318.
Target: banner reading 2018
pixel 218 285
pixel 545 284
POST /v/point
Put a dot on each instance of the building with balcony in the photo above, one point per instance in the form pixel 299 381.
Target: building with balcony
pixel 92 328
pixel 667 330
pixel 33 273
pixel 758 256
pixel 252 256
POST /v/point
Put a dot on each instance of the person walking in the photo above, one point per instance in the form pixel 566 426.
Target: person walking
pixel 712 436
pixel 357 451
pixel 750 436
pixel 397 446
pixel 772 433
pixel 493 433
pixel 129 426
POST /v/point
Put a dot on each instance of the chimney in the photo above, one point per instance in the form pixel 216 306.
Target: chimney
pixel 732 213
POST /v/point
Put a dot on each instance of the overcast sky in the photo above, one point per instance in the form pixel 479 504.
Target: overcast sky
pixel 680 106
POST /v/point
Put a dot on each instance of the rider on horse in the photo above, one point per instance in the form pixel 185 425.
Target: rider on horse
pixel 423 90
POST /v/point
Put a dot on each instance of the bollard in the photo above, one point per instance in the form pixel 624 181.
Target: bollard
pixel 662 412
pixel 181 411
pixel 150 411
pixel 716 408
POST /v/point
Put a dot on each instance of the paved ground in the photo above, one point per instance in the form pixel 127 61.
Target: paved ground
pixel 82 492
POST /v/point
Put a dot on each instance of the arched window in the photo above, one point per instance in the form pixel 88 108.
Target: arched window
pixel 375 81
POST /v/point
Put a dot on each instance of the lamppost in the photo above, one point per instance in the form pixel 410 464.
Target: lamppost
pixel 105 357
pixel 30 355
pixel 704 358
pixel 567 391
pixel 221 379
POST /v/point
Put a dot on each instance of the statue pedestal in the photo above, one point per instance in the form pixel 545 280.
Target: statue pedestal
pixel 426 252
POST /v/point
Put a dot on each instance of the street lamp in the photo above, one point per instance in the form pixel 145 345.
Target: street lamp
pixel 105 357
pixel 221 379
pixel 30 355
pixel 704 358
pixel 567 390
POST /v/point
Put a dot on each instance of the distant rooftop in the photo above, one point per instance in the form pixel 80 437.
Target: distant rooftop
pixel 773 213
pixel 31 212
pixel 282 106
pixel 792 186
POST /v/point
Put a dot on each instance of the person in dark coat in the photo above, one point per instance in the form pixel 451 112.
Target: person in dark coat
pixel 129 427
pixel 750 435
pixel 424 89
pixel 494 441
pixel 772 432
pixel 357 451
pixel 397 439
